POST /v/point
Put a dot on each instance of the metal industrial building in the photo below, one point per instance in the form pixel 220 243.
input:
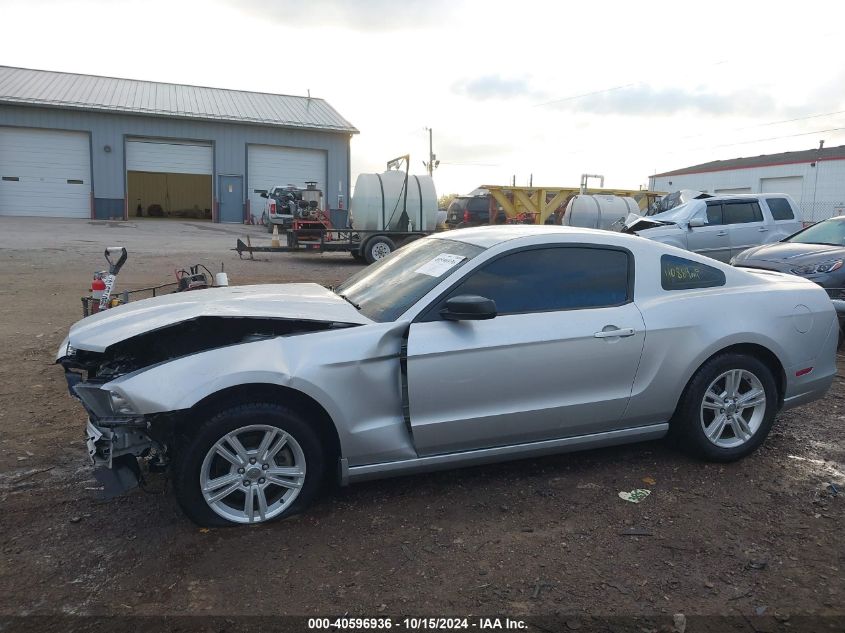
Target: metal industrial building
pixel 814 178
pixel 99 147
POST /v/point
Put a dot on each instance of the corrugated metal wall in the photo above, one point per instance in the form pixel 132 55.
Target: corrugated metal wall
pixel 822 187
pixel 230 141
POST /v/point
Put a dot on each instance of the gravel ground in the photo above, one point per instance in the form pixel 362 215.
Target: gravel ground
pixel 760 540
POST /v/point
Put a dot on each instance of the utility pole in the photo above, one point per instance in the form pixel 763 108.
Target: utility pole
pixel 432 163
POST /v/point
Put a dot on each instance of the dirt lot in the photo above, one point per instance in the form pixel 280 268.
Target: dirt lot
pixel 763 537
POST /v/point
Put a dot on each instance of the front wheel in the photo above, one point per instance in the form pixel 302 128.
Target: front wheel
pixel 727 409
pixel 252 463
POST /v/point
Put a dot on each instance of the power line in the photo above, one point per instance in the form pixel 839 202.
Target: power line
pixel 760 140
pixel 768 123
pixel 586 94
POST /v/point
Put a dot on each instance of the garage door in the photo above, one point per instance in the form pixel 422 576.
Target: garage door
pixel 792 186
pixel 170 157
pixel 719 192
pixel 270 166
pixel 45 173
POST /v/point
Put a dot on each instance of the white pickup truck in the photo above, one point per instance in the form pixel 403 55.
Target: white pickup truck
pixel 282 204
pixel 721 226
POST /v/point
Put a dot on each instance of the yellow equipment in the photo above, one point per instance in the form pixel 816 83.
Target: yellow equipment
pixel 534 205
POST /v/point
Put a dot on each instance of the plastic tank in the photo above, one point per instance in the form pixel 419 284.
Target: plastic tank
pixel 379 203
pixel 598 211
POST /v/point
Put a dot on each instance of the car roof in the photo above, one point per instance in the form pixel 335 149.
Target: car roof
pixel 744 196
pixel 491 235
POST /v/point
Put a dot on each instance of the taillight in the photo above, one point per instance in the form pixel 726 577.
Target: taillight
pixel 272 208
pixel 466 215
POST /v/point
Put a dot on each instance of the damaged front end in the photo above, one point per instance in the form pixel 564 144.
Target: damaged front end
pixel 120 437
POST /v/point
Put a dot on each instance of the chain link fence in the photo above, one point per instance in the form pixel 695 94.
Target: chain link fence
pixel 812 212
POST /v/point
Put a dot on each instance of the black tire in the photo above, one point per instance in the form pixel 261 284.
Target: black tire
pixel 687 427
pixel 377 244
pixel 192 451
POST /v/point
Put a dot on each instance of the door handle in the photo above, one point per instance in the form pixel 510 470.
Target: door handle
pixel 616 332
pixel 722 233
pixel 762 229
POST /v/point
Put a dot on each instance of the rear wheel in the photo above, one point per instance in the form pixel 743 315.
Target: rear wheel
pixel 377 248
pixel 253 463
pixel 727 409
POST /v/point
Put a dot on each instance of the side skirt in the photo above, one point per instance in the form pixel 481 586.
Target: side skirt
pixel 351 474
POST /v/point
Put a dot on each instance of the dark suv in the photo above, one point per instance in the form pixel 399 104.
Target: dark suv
pixel 465 211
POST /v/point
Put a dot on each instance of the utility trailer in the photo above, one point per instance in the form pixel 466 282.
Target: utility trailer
pixel 368 246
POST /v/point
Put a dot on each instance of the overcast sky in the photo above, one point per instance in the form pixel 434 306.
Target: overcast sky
pixel 551 89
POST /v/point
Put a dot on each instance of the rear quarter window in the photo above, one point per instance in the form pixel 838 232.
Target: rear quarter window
pixel 780 208
pixel 677 273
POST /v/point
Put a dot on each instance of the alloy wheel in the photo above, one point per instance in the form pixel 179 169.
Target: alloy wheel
pixel 252 474
pixel 733 408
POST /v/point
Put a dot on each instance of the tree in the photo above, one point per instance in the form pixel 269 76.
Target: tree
pixel 444 200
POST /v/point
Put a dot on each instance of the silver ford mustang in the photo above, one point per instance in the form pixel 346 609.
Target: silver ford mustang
pixel 466 347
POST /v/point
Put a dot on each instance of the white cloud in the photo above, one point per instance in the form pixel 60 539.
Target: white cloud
pixel 475 71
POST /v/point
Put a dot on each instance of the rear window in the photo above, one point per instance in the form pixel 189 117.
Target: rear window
pixel 457 205
pixel 478 204
pixel 677 273
pixel 780 208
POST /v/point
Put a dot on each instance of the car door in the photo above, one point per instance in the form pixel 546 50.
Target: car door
pixel 711 239
pixel 558 360
pixel 744 219
pixel 783 217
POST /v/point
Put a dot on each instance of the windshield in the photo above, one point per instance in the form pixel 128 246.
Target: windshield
pixel 681 213
pixel 828 232
pixel 384 290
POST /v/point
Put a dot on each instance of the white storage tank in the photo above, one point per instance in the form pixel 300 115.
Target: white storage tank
pixel 379 203
pixel 598 211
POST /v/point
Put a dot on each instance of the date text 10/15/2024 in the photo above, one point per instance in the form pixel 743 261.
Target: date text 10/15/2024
pixel 416 624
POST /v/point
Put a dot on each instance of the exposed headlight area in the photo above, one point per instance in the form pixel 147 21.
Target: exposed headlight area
pixel 820 268
pixel 102 403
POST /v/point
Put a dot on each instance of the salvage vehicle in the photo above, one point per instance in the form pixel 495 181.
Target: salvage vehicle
pixel 721 226
pixel 463 348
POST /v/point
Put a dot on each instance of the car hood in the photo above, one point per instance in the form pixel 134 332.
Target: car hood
pixel 306 302
pixel 635 223
pixel 791 253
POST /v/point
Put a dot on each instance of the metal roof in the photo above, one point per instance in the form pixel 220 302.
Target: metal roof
pixel 764 160
pixel 23 86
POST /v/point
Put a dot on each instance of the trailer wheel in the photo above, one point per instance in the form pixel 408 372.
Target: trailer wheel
pixel 377 248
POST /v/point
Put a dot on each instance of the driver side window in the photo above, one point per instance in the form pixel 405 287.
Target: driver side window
pixel 547 279
pixel 714 214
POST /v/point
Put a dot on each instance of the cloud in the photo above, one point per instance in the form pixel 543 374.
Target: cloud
pixel 643 100
pixel 488 87
pixel 361 15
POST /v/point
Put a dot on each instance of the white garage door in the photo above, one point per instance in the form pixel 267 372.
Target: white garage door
pixel 45 173
pixel 791 185
pixel 171 157
pixel 270 166
pixel 722 192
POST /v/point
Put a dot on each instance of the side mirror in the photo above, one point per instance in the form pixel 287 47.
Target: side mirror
pixel 695 223
pixel 469 308
pixel 264 194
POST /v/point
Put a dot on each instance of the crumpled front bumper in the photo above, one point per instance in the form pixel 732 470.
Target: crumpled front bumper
pixel 113 448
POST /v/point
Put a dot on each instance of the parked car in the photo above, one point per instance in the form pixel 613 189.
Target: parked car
pixel 464 347
pixel 816 253
pixel 468 211
pixel 721 226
